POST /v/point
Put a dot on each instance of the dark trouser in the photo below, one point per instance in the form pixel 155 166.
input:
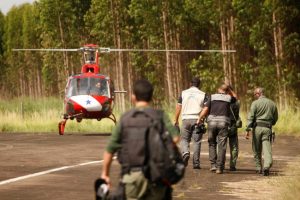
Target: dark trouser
pixel 217 135
pixel 186 136
pixel 233 145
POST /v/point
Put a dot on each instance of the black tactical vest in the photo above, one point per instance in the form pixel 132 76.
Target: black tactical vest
pixel 134 124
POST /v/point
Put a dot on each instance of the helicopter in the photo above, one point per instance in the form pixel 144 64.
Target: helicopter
pixel 90 95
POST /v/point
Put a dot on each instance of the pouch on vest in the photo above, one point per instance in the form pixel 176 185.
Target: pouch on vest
pixel 164 162
pixel 147 144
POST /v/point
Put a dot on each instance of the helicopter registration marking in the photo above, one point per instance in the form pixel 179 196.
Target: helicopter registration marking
pixel 87 102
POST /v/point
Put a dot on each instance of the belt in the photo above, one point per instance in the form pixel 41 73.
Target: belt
pixel 135 169
pixel 263 124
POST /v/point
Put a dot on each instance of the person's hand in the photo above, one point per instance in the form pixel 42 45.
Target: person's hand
pixel 199 121
pixel 107 179
pixel 176 123
pixel 247 135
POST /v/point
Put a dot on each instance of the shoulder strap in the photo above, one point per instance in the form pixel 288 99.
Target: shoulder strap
pixel 153 113
pixel 130 119
pixel 232 113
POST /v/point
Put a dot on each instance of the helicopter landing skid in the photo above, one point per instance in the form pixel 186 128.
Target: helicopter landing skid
pixel 113 118
pixel 61 126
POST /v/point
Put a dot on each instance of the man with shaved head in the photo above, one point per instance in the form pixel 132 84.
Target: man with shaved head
pixel 262 116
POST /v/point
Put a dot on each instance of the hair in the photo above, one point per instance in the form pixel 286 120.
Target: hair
pixel 259 90
pixel 195 82
pixel 224 88
pixel 143 90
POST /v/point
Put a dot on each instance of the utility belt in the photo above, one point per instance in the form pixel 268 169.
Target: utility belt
pixel 128 170
pixel 263 124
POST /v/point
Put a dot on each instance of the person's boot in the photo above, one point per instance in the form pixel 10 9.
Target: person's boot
pixel 266 172
pixel 213 168
pixel 219 171
pixel 186 157
pixel 232 169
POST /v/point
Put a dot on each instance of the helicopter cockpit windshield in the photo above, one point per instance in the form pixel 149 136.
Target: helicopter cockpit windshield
pixel 88 86
pixel 89 57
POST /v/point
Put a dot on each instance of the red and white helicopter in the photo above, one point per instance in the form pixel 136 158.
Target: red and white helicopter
pixel 90 95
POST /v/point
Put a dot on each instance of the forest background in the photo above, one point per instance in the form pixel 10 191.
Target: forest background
pixel 265 35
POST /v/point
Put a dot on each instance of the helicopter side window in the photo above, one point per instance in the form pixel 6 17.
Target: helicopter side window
pixel 99 87
pixel 71 88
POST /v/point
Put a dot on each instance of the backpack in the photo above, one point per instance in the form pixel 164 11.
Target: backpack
pixel 162 161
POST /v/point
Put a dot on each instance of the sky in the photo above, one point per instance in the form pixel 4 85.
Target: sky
pixel 5 5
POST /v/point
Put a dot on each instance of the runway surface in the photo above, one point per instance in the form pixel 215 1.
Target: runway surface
pixel 49 166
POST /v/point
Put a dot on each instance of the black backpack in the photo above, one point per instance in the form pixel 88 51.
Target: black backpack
pixel 162 161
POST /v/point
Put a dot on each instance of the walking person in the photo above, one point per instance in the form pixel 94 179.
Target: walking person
pixel 128 139
pixel 262 116
pixel 218 122
pixel 235 123
pixel 190 104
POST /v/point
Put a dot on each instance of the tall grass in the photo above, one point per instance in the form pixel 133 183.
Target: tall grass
pixel 287 124
pixel 43 115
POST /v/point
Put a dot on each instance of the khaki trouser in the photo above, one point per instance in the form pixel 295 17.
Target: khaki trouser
pixel 137 187
pixel 261 143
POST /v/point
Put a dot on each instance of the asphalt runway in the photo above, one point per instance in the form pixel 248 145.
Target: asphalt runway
pixel 49 166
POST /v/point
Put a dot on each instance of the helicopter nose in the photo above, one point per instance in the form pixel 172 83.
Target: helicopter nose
pixel 87 102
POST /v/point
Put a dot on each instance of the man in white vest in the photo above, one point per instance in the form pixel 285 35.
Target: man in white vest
pixel 190 104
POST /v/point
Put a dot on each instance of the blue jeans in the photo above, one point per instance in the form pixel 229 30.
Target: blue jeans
pixel 186 136
pixel 217 136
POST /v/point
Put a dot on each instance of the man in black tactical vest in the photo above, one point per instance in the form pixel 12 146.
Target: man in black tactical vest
pixel 128 138
pixel 218 122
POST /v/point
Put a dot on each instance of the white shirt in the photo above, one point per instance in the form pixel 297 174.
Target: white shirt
pixel 192 101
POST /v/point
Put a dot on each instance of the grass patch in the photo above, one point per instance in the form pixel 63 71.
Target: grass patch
pixel 43 115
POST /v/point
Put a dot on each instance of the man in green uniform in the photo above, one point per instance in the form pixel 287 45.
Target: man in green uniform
pixel 137 185
pixel 263 115
pixel 235 123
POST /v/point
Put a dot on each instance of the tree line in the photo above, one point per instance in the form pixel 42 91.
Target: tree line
pixel 265 35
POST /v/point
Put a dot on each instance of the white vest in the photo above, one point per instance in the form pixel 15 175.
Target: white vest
pixel 192 103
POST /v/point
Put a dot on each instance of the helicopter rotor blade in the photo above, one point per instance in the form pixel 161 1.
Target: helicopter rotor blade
pixel 108 50
pixel 46 50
